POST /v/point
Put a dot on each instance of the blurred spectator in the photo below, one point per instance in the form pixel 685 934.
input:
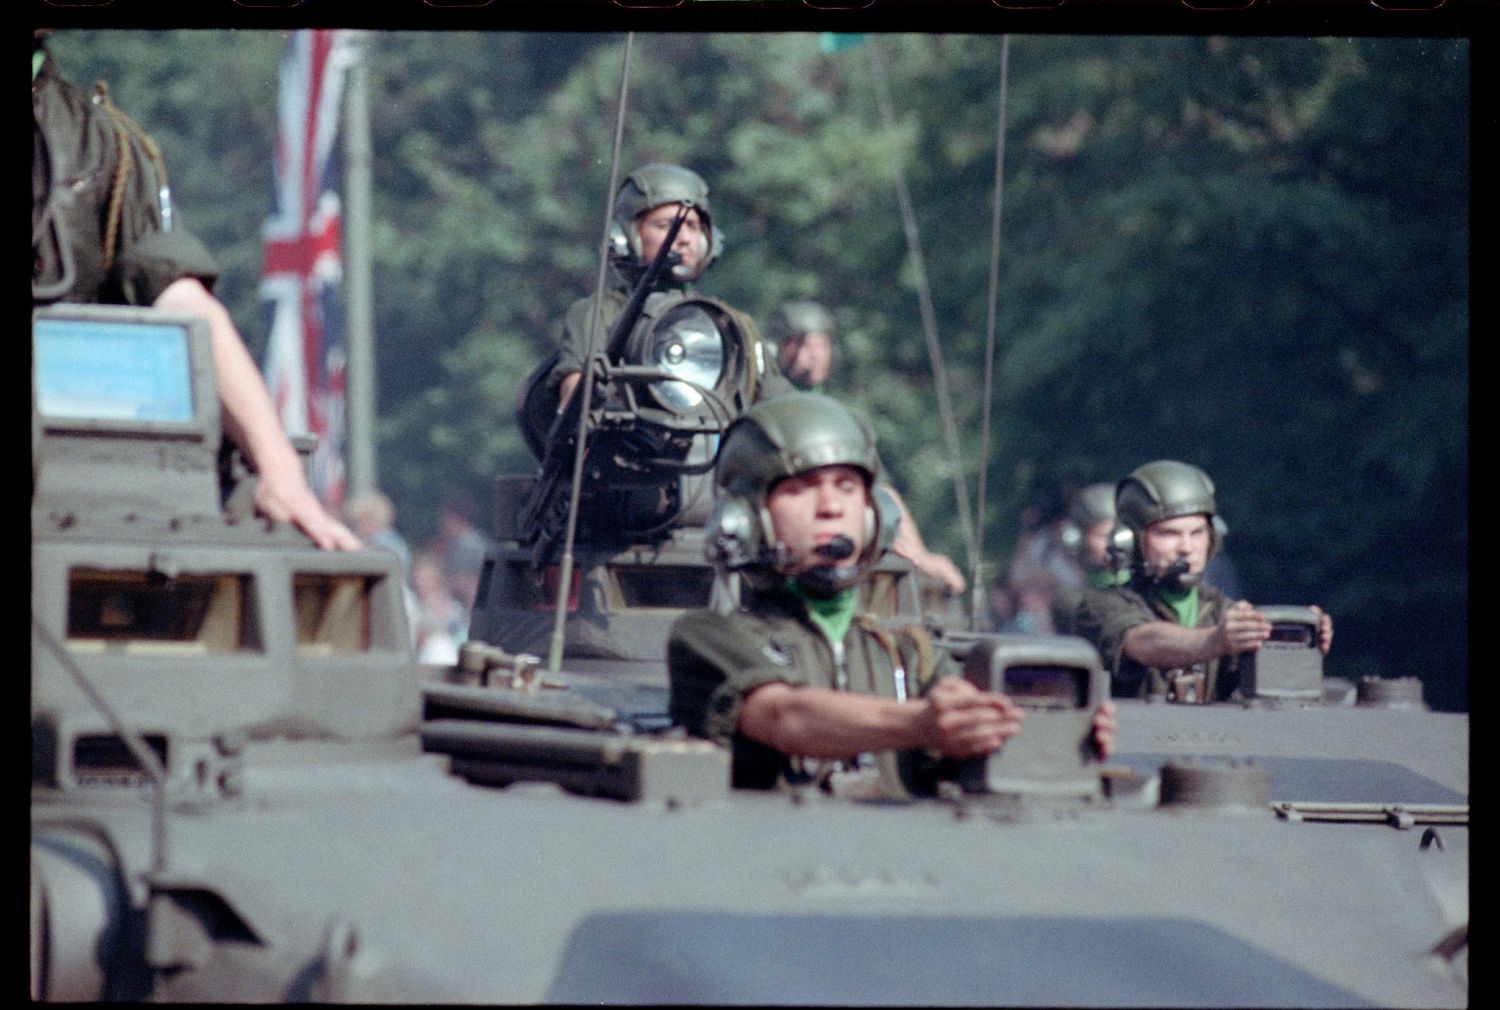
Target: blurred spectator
pixel 1041 565
pixel 372 517
pixel 441 622
pixel 460 546
pixel 1032 590
pixel 1002 603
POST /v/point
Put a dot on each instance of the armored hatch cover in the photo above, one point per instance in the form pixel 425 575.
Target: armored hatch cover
pixel 1336 753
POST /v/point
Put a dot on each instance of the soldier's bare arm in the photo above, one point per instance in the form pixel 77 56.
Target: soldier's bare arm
pixel 911 546
pixel 282 492
pixel 565 389
pixel 1165 644
pixel 1104 728
pixel 955 718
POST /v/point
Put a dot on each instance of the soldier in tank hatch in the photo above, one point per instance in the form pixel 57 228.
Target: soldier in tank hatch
pixel 805 336
pixel 644 207
pixel 102 231
pixel 1091 519
pixel 647 457
pixel 797 682
pixel 1163 632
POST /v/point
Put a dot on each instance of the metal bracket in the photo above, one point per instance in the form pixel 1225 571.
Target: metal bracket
pixel 1397 815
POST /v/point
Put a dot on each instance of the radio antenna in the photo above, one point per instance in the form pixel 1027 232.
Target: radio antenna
pixel 586 387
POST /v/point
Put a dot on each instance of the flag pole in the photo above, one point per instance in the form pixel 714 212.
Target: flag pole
pixel 360 336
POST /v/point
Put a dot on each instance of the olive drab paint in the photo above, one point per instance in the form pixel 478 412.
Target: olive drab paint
pixel 245 788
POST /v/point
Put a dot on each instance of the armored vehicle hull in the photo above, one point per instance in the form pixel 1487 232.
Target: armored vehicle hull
pixel 365 871
pixel 245 789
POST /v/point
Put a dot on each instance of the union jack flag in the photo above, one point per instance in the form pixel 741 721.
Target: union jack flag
pixel 301 285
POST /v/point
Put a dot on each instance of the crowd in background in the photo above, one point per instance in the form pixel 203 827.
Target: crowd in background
pixel 1036 591
pixel 441 579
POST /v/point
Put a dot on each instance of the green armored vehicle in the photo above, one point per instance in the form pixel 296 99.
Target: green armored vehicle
pixel 245 789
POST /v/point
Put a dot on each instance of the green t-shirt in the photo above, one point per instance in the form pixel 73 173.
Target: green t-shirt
pixel 1184 603
pixel 1103 578
pixel 832 614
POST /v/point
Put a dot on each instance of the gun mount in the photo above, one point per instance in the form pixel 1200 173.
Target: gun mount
pixel 680 375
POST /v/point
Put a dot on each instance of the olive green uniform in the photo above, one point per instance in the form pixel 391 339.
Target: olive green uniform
pixel 1066 600
pixel 100 219
pixel 716 660
pixel 572 336
pixel 1065 603
pixel 1105 615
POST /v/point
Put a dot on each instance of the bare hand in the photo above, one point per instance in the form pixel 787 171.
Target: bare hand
pixel 1325 629
pixel 942 568
pixel 1104 728
pixel 1243 629
pixel 961 721
pixel 290 500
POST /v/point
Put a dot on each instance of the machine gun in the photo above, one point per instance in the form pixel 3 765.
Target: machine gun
pixel 688 354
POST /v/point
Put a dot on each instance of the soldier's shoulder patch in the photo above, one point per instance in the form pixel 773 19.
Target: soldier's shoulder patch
pixel 777 653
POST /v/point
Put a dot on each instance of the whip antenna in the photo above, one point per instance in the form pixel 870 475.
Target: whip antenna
pixel 924 302
pixel 976 591
pixel 586 387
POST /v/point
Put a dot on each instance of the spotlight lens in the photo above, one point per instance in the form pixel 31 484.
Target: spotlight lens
pixel 686 343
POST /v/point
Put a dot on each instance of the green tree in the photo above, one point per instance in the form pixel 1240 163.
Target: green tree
pixel 1249 253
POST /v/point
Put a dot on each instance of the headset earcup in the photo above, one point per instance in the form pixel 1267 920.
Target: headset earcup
pixel 623 246
pixel 882 521
pixel 1121 545
pixel 733 533
pixel 714 248
pixel 767 532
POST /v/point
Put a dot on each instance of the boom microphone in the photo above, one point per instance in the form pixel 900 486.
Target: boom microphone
pixel 1175 576
pixel 837 549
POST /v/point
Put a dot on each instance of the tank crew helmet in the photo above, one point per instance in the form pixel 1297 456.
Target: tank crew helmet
pixel 1163 489
pixel 791 320
pixel 782 437
pixel 1093 505
pixel 788 331
pixel 644 190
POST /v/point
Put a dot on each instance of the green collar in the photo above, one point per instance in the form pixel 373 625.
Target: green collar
pixel 1103 578
pixel 1184 604
pixel 832 614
